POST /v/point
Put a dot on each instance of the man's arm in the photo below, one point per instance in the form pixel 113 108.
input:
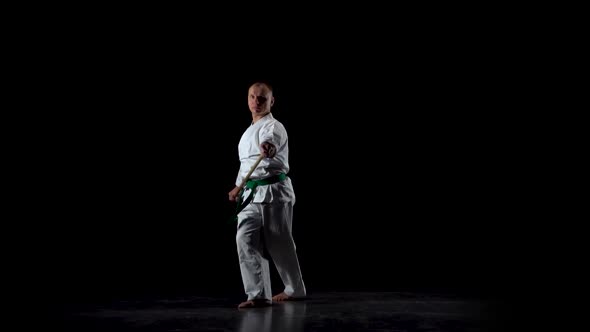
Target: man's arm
pixel 234 193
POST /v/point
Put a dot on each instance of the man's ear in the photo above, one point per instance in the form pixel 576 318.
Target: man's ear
pixel 272 101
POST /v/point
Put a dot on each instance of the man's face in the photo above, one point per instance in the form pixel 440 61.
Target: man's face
pixel 260 100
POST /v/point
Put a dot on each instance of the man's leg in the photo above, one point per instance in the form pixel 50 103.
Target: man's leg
pixel 277 220
pixel 253 265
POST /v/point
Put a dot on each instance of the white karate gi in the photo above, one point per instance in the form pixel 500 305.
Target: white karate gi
pixel 266 221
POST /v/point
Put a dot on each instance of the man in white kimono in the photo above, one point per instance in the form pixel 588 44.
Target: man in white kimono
pixel 265 211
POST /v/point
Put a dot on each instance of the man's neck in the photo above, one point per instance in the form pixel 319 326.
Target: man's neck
pixel 256 117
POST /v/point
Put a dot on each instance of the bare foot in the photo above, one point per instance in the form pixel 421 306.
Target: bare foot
pixel 257 303
pixel 283 297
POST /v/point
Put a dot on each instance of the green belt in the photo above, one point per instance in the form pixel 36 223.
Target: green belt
pixel 252 184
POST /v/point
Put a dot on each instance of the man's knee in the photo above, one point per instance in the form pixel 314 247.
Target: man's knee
pixel 244 240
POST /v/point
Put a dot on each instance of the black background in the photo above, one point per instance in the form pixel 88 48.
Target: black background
pixel 402 158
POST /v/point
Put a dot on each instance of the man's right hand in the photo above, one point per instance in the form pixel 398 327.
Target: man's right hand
pixel 233 195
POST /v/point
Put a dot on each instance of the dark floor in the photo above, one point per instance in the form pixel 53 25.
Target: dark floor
pixel 327 311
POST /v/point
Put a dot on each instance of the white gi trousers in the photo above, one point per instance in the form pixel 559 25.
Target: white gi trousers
pixel 268 225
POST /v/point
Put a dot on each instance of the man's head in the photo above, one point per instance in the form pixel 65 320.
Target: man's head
pixel 260 99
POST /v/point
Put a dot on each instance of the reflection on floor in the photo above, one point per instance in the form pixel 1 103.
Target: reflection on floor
pixel 337 311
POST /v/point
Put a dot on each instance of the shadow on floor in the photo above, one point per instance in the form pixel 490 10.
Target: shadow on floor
pixel 328 311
